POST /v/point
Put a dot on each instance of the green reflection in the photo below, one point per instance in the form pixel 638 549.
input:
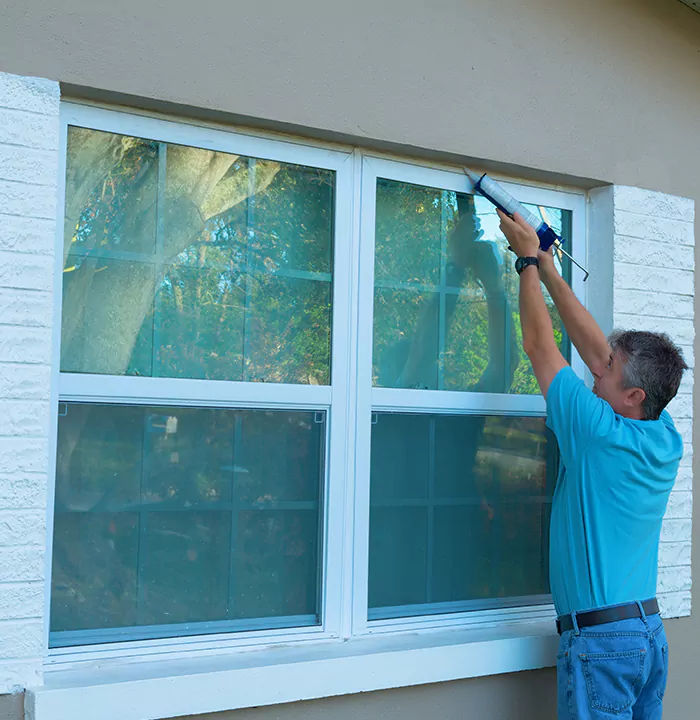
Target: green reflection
pixel 185 262
pixel 446 294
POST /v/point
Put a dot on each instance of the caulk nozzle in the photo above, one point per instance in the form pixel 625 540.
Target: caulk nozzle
pixel 472 176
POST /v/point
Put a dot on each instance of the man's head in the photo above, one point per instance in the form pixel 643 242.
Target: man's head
pixel 643 374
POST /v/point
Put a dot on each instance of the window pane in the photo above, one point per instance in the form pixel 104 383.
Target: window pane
pixel 169 516
pixel 446 294
pixel 184 262
pixel 459 514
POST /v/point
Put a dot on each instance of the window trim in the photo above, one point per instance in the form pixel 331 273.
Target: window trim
pixel 346 511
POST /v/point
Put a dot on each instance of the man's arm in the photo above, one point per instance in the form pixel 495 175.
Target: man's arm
pixel 538 334
pixel 587 337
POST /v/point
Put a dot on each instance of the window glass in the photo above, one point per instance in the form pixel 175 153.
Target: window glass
pixel 445 303
pixel 173 520
pixel 459 512
pixel 184 262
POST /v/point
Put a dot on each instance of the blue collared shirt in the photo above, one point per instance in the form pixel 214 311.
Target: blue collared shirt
pixel 615 476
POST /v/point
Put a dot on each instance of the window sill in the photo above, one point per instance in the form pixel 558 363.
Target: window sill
pixel 191 686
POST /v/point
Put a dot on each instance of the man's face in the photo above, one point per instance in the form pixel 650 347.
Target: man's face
pixel 610 386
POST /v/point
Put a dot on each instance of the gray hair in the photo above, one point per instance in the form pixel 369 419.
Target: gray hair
pixel 654 363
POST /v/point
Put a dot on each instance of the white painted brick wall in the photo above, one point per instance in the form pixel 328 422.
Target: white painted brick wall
pixel 28 172
pixel 653 289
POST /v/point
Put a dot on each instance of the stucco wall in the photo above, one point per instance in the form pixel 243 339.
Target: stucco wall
pixel 600 89
pixel 604 89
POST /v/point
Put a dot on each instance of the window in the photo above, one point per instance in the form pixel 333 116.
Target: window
pixel 283 413
pixel 456 468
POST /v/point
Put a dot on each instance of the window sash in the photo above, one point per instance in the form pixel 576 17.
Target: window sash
pixel 350 400
pixel 229 512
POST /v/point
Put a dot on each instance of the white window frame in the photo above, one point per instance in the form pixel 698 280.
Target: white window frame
pixel 371 399
pixel 351 397
pixel 201 393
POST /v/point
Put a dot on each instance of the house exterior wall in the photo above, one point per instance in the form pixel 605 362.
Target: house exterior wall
pixel 28 176
pixel 593 93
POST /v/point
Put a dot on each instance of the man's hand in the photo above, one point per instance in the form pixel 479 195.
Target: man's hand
pixel 521 237
pixel 548 269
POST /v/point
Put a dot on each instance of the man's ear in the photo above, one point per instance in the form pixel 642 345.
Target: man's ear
pixel 635 396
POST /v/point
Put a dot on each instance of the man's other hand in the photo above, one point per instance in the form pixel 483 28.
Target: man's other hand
pixel 547 267
pixel 521 237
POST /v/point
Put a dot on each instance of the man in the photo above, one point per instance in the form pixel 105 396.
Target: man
pixel 619 457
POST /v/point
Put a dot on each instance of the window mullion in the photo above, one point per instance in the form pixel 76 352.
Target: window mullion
pixel 363 422
pixel 337 558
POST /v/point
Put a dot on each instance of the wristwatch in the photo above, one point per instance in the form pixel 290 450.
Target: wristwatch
pixel 522 262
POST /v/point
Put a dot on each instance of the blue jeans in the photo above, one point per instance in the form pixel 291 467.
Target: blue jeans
pixel 616 670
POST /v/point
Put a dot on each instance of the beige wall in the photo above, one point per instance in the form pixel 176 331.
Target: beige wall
pixel 601 89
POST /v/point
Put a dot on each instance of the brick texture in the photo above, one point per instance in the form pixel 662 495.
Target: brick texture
pixel 29 138
pixel 658 294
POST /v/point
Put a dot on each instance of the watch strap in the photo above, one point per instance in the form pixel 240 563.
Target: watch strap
pixel 522 262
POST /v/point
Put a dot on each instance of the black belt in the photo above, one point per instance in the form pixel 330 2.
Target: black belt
pixel 607 615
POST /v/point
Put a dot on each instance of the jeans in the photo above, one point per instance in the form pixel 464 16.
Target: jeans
pixel 615 670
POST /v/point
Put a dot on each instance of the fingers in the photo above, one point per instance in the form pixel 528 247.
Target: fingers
pixel 520 220
pixel 503 216
pixel 507 223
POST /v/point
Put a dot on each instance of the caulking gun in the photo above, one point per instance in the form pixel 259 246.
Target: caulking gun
pixel 505 202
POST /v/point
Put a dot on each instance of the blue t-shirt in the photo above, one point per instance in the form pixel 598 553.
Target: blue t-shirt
pixel 615 477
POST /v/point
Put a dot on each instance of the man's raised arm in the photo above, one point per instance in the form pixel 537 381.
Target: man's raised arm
pixel 587 337
pixel 538 335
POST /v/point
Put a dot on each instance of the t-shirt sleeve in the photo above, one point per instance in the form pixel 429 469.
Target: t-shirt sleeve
pixel 575 414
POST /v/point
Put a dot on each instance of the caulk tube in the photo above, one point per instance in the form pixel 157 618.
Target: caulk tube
pixel 505 202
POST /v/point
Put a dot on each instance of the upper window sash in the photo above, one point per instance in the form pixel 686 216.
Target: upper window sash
pixel 198 137
pixel 408 399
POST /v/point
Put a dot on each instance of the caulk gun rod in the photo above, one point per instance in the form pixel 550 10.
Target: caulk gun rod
pixel 578 265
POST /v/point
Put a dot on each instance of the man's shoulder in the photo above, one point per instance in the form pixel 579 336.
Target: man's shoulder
pixel 572 395
pixel 576 414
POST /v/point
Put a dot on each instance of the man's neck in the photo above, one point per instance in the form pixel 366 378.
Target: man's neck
pixel 634 413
